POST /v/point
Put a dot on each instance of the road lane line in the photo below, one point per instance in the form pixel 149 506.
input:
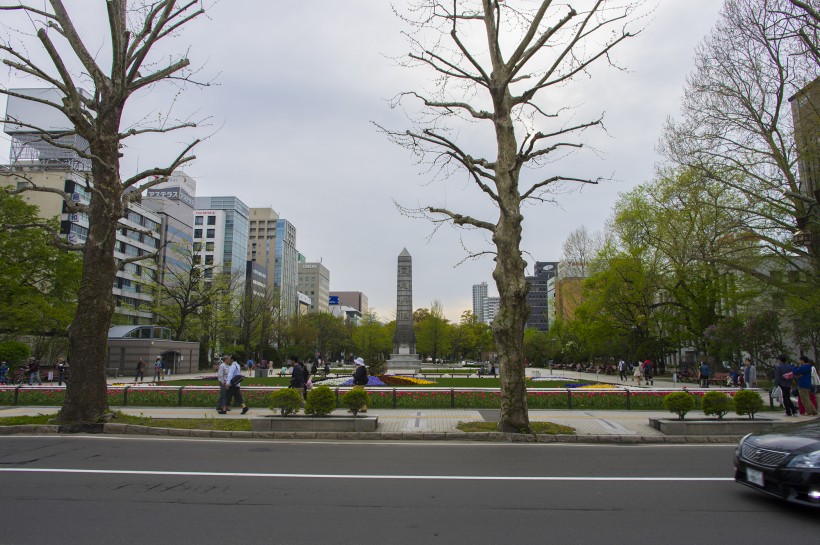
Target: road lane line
pixel 364 476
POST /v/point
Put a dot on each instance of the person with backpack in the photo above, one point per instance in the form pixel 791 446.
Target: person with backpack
pixel 235 376
pixel 360 378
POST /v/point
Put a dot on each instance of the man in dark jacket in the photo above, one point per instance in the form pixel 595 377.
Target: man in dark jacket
pixel 360 378
pixel 783 375
pixel 297 375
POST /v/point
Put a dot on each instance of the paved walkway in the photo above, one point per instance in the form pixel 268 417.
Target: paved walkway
pixel 586 423
pixel 590 424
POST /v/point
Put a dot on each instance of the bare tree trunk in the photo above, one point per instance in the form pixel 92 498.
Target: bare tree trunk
pixel 86 394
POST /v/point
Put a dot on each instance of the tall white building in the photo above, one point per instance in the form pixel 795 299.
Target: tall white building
pixel 480 310
pixel 221 234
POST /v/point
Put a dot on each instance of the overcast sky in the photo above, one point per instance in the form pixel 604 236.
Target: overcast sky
pixel 298 88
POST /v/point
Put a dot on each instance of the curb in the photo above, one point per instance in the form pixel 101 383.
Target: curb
pixel 490 437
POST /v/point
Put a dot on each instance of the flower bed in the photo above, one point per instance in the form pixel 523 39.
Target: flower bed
pixel 397 380
pixel 410 397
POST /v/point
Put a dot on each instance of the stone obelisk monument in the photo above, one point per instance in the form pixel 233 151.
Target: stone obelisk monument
pixel 404 357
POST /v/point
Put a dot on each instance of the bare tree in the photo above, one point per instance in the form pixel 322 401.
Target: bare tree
pixel 580 248
pixel 808 25
pixel 135 30
pixel 502 65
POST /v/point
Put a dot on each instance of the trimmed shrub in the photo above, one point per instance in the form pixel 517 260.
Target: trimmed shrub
pixel 748 402
pixel 679 403
pixel 356 399
pixel 286 401
pixel 321 401
pixel 716 403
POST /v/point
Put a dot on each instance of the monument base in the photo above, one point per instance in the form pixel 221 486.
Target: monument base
pixel 403 363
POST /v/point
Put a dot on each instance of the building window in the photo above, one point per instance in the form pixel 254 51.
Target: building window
pixel 211 220
pixel 209 246
pixel 198 220
pixel 209 259
pixel 211 233
pixel 197 233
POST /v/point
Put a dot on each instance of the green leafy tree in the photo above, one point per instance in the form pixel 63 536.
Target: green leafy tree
pixel 38 281
pixel 736 128
pixel 433 333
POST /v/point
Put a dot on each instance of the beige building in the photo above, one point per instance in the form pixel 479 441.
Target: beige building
pixel 353 299
pixel 139 232
pixel 314 281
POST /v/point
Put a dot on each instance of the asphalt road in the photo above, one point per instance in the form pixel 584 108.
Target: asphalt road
pixel 112 490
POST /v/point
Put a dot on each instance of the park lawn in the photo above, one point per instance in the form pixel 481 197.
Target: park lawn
pixel 548 428
pixel 225 424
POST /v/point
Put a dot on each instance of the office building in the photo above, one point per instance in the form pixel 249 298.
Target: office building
pixel 538 294
pixel 173 201
pixel 314 282
pixel 272 244
pixel 480 302
pixel 221 235
pixel 352 299
pixel 57 164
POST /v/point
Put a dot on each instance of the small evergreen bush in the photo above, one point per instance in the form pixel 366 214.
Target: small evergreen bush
pixel 679 403
pixel 716 403
pixel 356 399
pixel 748 402
pixel 321 401
pixel 286 401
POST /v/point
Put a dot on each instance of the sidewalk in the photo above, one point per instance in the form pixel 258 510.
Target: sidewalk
pixel 590 426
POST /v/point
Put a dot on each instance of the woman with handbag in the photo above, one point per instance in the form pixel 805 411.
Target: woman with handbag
pixel 235 376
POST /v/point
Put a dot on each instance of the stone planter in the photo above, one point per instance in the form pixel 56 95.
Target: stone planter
pixel 300 422
pixel 710 426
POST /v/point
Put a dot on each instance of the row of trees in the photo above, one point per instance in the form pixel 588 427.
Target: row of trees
pixel 705 255
pixel 200 302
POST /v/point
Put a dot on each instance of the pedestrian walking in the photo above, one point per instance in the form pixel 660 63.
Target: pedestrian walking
pixel 34 372
pixel 647 372
pixel 783 375
pixel 297 376
pixel 4 371
pixel 360 378
pixel 804 386
pixel 222 378
pixel 157 369
pixel 139 373
pixel 636 373
pixel 62 369
pixel 622 370
pixel 749 373
pixel 704 372
pixel 234 378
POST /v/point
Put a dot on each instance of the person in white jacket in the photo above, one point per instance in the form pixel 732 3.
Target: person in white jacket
pixel 232 384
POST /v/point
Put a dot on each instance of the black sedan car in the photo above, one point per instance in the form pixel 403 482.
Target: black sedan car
pixel 783 462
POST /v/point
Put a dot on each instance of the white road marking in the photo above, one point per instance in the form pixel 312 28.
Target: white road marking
pixel 363 477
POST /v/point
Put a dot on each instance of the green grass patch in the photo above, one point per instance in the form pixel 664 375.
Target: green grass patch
pixel 224 424
pixel 537 427
pixel 23 420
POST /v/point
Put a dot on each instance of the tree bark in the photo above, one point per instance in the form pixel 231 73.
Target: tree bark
pixel 86 398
